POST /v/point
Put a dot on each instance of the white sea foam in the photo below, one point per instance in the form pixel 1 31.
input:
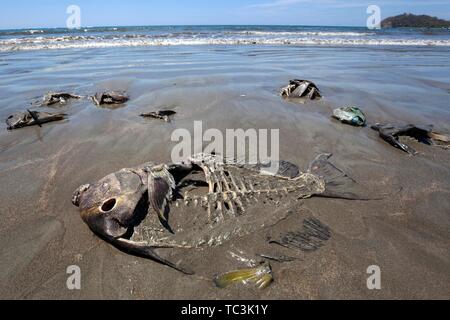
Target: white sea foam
pixel 304 33
pixel 35 31
pixel 68 42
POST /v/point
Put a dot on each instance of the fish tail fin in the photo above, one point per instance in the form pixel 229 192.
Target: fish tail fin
pixel 337 183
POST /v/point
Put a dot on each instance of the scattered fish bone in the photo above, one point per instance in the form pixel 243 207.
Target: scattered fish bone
pixel 301 89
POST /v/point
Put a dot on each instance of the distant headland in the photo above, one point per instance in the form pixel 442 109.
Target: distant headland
pixel 409 20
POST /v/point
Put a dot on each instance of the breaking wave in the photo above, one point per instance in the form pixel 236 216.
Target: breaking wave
pixel 50 39
pixel 61 43
pixel 306 33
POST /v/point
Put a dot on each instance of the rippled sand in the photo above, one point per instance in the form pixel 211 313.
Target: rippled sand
pixel 407 234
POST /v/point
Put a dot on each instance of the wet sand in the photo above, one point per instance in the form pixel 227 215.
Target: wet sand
pixel 407 234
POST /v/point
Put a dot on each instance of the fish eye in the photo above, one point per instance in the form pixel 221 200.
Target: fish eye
pixel 10 117
pixel 108 205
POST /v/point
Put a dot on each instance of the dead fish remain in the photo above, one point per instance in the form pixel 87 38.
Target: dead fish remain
pixel 160 115
pixel 32 118
pixel 425 134
pixel 110 97
pixel 311 238
pixel 53 98
pixel 350 115
pixel 208 201
pixel 301 89
pixel 260 276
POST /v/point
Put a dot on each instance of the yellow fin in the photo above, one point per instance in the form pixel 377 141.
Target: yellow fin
pixel 260 276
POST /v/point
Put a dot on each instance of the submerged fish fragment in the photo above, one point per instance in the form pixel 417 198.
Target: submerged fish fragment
pixel 301 89
pixel 207 201
pixel 425 134
pixel 52 98
pixel 313 236
pixel 160 115
pixel 111 97
pixel 261 277
pixel 32 118
pixel 350 115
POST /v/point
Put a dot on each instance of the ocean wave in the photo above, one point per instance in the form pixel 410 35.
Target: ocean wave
pixel 35 31
pixel 303 33
pixel 74 42
pixel 50 31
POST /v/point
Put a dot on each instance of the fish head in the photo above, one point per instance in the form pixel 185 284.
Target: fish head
pixel 111 206
pixel 18 120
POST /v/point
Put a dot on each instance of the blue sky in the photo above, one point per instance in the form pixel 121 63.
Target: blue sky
pixel 48 13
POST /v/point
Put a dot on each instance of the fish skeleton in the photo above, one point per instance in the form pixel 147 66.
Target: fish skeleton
pixel 201 202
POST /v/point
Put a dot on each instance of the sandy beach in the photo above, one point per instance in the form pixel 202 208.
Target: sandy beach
pixel 407 233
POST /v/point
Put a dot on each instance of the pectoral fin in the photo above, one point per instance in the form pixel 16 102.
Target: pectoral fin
pixel 158 192
pixel 35 117
pixel 148 252
pixel 161 185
